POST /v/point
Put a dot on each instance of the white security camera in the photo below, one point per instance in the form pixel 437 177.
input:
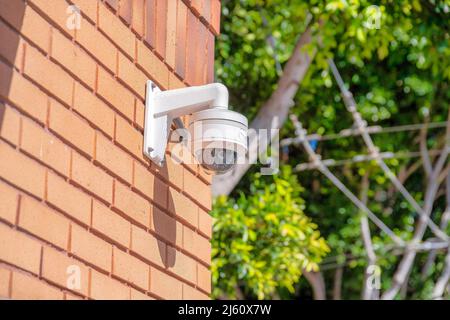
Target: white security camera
pixel 217 137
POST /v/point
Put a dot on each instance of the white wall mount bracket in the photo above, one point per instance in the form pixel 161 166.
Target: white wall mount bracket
pixel 162 107
pixel 153 149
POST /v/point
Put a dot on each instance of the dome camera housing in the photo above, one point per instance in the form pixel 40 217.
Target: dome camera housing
pixel 218 139
pixel 217 136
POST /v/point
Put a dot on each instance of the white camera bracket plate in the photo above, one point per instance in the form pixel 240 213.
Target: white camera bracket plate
pixel 156 129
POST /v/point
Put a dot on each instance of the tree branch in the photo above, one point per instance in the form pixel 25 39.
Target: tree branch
pixel 424 150
pixel 337 285
pixel 317 283
pixel 443 280
pixel 407 261
pixel 277 107
pixel 368 293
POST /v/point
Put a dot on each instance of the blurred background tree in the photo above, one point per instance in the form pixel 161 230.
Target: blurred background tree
pixel 263 240
pixel 395 59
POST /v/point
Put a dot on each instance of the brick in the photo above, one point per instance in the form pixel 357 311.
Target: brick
pixel 10 124
pixel 160 193
pixel 57 12
pixel 144 179
pixel 88 8
pixel 125 10
pixel 17 169
pixel 161 19
pixel 8 204
pixel 149 185
pixel 171 33
pixel 116 31
pixel 30 288
pixel 200 51
pixel 190 293
pixel 150 22
pixel 48 75
pixel 131 269
pixel 197 6
pixel 137 295
pixel 167 227
pixel 147 246
pixel 93 109
pixel 196 245
pixel 182 207
pixel 105 288
pixel 114 4
pixel 210 52
pixel 197 189
pixel 91 177
pixel 71 128
pixel 180 60
pixel 206 11
pixel 19 250
pixel 137 19
pixel 111 224
pixel 111 90
pixel 175 82
pixel 205 222
pixel 5 275
pixel 68 296
pixel 45 147
pixel 153 66
pixel 22 93
pixel 90 248
pixel 131 75
pixel 27 21
pixel 172 172
pixel 205 176
pixel 132 205
pixel 71 57
pixel 129 138
pixel 64 271
pixel 97 45
pixel 203 278
pixel 43 222
pixel 164 285
pixel 14 51
pixel 113 159
pixel 68 199
pixel 182 155
pixel 215 16
pixel 182 265
pixel 13 12
pixel 193 28
pixel 139 114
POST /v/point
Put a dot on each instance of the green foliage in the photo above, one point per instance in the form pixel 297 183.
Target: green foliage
pixel 399 73
pixel 263 240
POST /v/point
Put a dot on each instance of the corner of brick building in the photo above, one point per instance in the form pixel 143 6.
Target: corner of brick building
pixel 83 214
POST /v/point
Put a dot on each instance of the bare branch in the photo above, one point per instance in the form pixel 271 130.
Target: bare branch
pixel 351 132
pixel 407 261
pixel 315 159
pixel 369 157
pixel 443 280
pixel 368 293
pixel 374 151
pixel 424 150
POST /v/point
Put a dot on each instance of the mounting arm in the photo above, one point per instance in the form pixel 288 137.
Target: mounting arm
pixel 161 107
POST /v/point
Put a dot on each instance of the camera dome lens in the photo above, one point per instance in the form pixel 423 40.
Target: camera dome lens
pixel 218 160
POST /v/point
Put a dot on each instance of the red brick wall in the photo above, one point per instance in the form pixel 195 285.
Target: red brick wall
pixel 75 188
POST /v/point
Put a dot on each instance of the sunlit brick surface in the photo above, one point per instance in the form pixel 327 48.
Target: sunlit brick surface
pixel 83 214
